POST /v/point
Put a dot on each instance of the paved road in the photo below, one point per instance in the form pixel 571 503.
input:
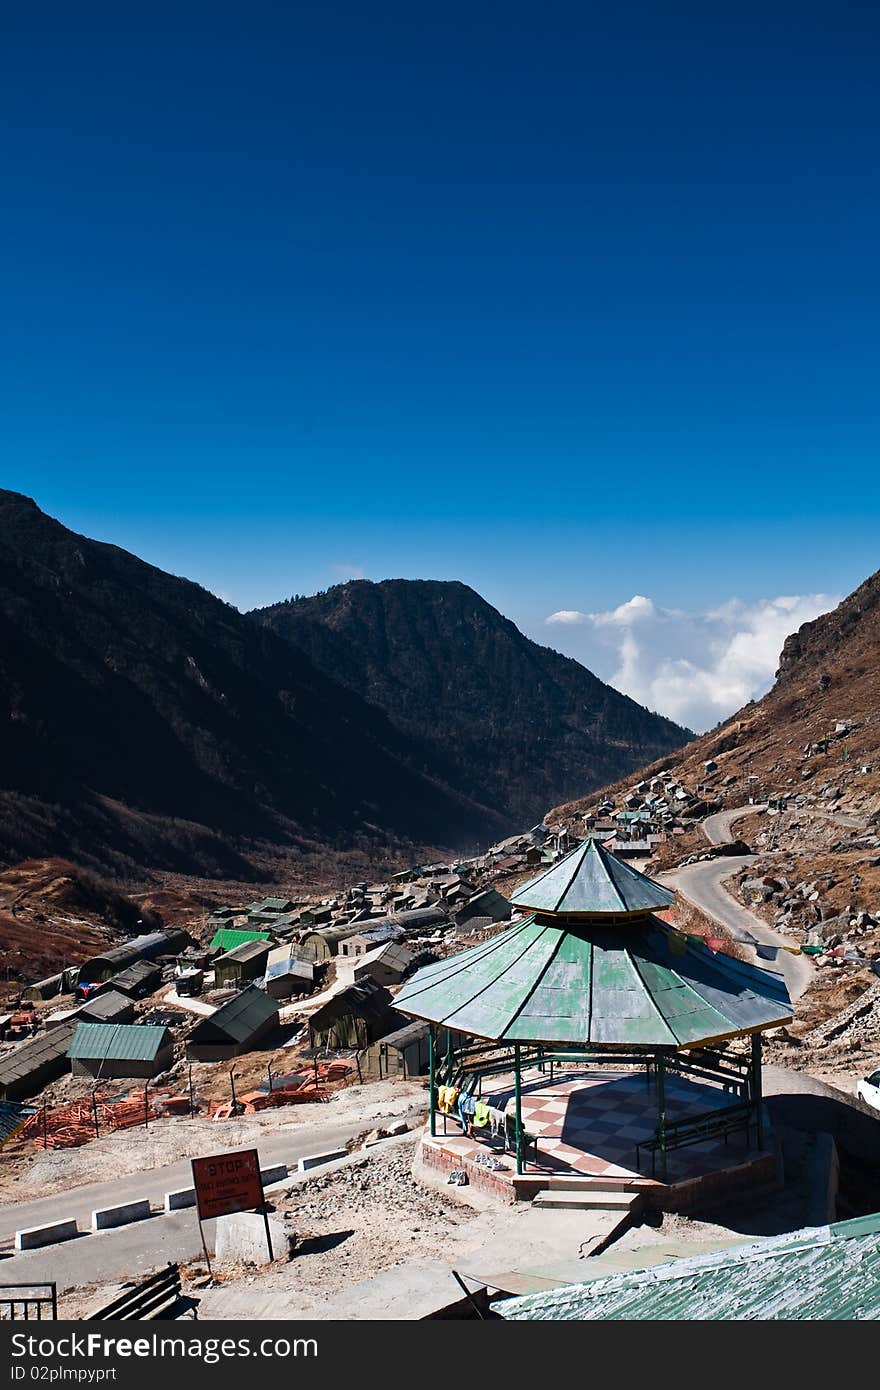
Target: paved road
pixel 145 1245
pixel 718 828
pixel 702 885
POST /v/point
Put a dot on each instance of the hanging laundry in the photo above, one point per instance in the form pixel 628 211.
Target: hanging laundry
pixel 481 1115
pixel 446 1098
pixel 466 1106
pixel 498 1122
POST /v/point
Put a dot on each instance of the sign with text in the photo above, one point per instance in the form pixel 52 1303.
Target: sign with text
pixel 227 1182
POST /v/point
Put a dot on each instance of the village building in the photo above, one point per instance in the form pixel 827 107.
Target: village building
pixel 386 965
pixel 64 982
pixel 228 938
pixel 371 936
pixel 314 916
pixel 236 1027
pixel 323 943
pixel 242 964
pixel 354 1018
pixel 287 974
pixel 137 980
pixel 488 905
pixel 110 1006
pixel 117 1050
pixel 402 1053
pixel 270 908
pixel 169 941
pixel 32 1065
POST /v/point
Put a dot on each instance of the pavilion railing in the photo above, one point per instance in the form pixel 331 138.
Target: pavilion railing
pixel 467 1065
pixel 474 1062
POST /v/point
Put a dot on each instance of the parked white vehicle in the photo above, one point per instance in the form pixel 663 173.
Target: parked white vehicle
pixel 868 1090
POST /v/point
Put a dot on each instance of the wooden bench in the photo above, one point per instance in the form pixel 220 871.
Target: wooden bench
pixel 159 1297
pixel 714 1124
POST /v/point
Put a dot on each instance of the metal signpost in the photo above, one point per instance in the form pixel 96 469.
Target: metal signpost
pixel 226 1183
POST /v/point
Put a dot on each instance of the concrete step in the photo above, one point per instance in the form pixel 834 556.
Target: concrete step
pixel 572 1182
pixel 589 1199
pixel 588 1184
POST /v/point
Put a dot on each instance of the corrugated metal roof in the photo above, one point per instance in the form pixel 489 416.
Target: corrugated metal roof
pixel 248 950
pixel 283 960
pixel 591 881
pixel 29 1056
pixel 366 999
pixel 388 932
pixel 392 955
pixel 236 1020
pixel 12 1117
pixel 822 1273
pixel 136 975
pixel 228 938
pixel 106 1007
pixel 140 948
pixel 403 1037
pixel 128 1042
pixel 640 983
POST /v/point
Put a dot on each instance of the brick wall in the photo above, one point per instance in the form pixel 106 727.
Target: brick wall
pixel 479 1177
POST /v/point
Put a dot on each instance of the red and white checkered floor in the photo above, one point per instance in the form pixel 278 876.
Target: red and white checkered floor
pixel 588 1124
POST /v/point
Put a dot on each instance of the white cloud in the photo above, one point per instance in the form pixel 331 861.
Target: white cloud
pixel 347 570
pixel 698 667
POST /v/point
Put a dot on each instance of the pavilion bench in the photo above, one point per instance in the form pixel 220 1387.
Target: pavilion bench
pixel 715 1124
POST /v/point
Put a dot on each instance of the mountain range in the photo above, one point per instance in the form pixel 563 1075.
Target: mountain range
pixel 146 723
pixel 502 721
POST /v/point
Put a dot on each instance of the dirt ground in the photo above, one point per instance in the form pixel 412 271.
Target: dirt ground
pixel 351 1225
pixel 39 1174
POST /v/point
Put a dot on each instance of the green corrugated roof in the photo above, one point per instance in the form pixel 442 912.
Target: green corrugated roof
pixel 236 1020
pixel 822 1273
pixel 590 881
pixel 227 938
pixel 129 1042
pixel 640 983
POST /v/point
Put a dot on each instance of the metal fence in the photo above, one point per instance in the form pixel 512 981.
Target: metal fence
pixel 28 1302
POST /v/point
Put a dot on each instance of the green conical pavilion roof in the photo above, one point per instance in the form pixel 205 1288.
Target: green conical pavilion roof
pixel 590 881
pixel 640 984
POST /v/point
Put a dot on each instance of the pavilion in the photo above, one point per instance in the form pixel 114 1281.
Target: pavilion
pixel 592 974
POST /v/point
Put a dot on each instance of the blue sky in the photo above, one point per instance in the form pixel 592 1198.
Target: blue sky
pixel 572 305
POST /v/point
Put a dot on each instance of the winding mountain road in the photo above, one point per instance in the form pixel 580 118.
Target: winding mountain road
pixel 702 884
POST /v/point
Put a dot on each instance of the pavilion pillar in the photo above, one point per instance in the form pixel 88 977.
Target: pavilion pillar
pixel 661 1111
pixel 432 1074
pixel 757 1089
pixel 517 1083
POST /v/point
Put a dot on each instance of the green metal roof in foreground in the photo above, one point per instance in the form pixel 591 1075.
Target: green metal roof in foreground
pixel 823 1273
pixel 592 882
pixel 634 984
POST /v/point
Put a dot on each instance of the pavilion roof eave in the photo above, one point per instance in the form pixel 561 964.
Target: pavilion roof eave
pixel 520 987
pixel 612 1049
